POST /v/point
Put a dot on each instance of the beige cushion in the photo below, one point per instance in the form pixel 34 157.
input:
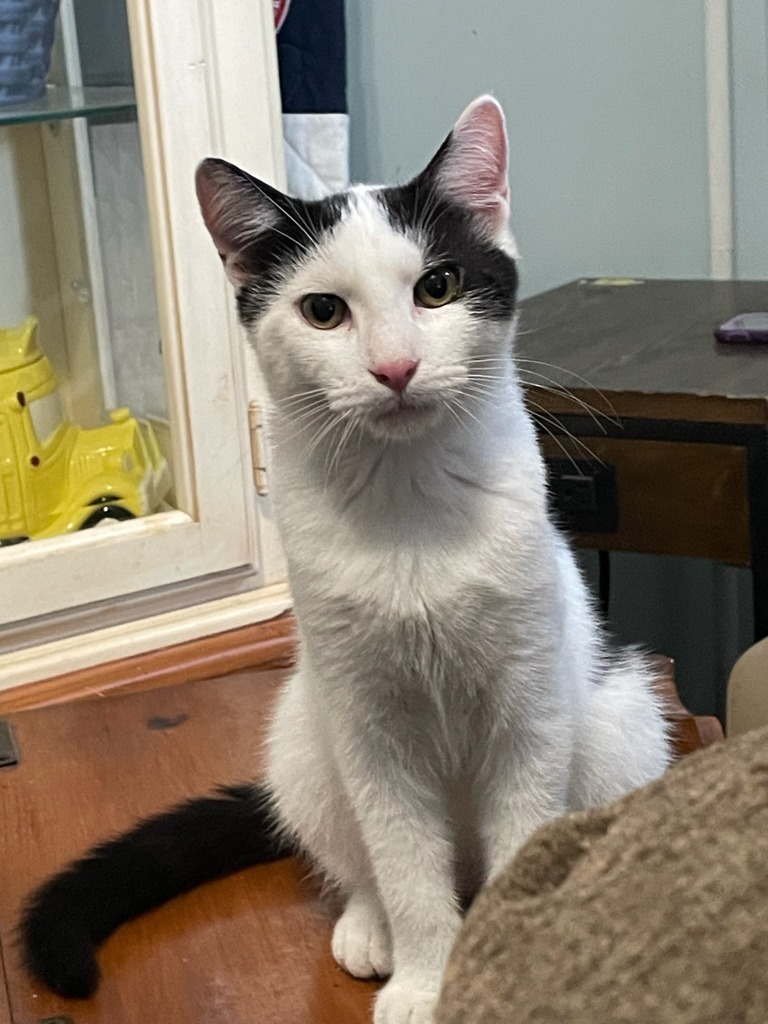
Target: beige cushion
pixel 653 910
pixel 748 691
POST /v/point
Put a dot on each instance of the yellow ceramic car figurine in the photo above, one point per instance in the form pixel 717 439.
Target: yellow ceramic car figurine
pixel 56 477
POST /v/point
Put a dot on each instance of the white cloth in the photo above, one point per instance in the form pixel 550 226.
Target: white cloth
pixel 316 154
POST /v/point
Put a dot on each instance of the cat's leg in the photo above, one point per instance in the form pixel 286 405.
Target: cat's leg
pixel 413 862
pixel 622 738
pixel 403 822
pixel 524 783
pixel 313 803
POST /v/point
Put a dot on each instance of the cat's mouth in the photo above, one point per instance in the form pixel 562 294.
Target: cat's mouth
pixel 405 418
pixel 404 407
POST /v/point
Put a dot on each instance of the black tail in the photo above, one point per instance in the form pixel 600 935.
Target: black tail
pixel 68 917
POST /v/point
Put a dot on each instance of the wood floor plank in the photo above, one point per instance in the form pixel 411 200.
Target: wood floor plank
pixel 251 948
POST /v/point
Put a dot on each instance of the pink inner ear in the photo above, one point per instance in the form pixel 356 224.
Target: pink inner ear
pixel 474 169
pixel 236 209
pixel 212 187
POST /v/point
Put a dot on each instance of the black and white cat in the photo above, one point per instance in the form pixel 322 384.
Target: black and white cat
pixel 453 690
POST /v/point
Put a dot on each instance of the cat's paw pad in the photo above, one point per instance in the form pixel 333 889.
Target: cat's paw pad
pixel 361 943
pixel 405 1003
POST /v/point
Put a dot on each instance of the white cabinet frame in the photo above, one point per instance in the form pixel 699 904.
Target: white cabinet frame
pixel 206 83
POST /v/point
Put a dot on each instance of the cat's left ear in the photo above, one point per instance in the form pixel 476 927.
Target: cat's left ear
pixel 471 166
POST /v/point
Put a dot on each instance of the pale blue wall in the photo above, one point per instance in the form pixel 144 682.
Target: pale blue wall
pixel 749 91
pixel 606 107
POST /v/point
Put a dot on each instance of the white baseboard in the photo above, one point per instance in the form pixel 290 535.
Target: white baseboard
pixel 75 653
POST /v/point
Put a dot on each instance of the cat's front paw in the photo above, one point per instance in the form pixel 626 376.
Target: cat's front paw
pixel 405 1002
pixel 361 942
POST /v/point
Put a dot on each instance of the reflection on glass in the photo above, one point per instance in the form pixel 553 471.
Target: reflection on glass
pixel 47 416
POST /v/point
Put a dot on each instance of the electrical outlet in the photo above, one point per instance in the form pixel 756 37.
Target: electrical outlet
pixel 576 493
pixel 584 495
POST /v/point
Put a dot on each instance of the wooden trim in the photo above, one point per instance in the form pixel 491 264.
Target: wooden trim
pixel 658 405
pixel 686 731
pixel 264 645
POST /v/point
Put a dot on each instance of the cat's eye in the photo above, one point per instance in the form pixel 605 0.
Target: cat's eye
pixel 323 311
pixel 438 287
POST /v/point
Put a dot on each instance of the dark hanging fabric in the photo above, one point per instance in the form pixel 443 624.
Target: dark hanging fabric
pixel 311 53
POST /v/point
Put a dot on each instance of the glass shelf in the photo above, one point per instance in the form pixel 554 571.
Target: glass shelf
pixel 62 102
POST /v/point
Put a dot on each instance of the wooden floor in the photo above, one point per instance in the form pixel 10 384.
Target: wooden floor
pixel 252 949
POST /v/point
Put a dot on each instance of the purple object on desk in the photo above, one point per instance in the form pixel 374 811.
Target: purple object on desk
pixel 744 329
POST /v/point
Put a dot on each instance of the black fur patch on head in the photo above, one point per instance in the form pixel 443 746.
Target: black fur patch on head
pixel 301 228
pixel 452 235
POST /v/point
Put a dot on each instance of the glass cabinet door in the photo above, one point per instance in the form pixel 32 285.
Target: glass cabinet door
pixel 125 452
pixel 77 286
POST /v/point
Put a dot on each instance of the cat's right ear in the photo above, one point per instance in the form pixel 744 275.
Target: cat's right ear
pixel 237 209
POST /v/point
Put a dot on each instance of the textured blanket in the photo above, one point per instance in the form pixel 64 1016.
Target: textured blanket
pixel 653 910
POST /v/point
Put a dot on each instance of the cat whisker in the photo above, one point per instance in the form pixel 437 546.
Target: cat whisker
pixel 566 391
pixel 429 215
pixel 307 420
pixel 353 430
pixel 302 394
pixel 449 405
pixel 467 411
pixel 489 380
pixel 299 412
pixel 557 441
pixel 452 411
pixel 299 408
pixel 576 376
pixel 289 405
pixel 486 362
pixel 555 389
pixel 493 387
pixel 333 458
pixel 490 362
pixel 301 210
pixel 283 234
pixel 332 424
pixel 282 209
pixel 545 416
pixel 455 399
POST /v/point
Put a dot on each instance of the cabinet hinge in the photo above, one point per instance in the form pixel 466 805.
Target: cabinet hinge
pixel 258 462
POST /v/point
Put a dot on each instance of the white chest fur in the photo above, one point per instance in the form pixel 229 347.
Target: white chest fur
pixel 424 559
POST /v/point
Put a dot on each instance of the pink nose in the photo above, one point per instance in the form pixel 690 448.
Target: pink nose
pixel 396 375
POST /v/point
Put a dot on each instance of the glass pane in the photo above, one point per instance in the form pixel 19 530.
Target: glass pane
pixel 59 102
pixel 84 431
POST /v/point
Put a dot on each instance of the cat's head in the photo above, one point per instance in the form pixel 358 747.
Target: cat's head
pixel 391 306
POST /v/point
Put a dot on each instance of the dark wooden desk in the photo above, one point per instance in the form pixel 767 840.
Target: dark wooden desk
pixel 669 428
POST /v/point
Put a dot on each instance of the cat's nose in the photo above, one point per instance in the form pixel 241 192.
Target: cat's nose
pixel 396 375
